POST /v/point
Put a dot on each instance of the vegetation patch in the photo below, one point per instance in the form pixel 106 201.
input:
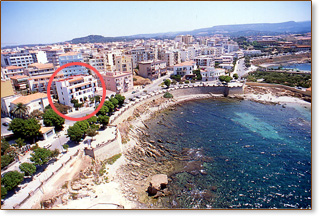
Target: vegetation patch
pixel 113 159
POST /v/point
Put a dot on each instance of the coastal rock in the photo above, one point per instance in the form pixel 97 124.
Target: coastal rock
pixel 157 183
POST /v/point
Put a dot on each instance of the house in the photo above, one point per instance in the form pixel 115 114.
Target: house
pixel 19 82
pixel 37 101
pixel 47 132
pixel 118 82
pixel 212 74
pixel 185 68
pixel 80 87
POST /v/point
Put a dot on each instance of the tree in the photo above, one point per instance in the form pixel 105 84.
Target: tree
pixel 78 130
pixel 65 146
pixel 97 98
pixel 20 110
pixel 103 111
pixel 20 142
pixel 4 146
pixel 91 132
pixel 235 76
pixel 224 78
pixel 6 160
pixel 11 179
pixel 25 128
pixel 51 118
pixel 28 168
pixel 114 101
pixel 55 153
pixel 103 120
pixel 120 99
pixel 110 105
pixel 92 120
pixel 3 192
pixel 37 114
pixel 41 156
pixel 167 82
pixel 60 107
pixel 198 73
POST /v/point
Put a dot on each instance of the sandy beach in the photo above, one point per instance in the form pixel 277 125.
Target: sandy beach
pixel 123 184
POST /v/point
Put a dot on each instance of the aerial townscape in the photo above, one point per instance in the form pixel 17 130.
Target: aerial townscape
pixel 214 118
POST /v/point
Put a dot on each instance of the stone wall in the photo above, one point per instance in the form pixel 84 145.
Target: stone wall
pixel 107 149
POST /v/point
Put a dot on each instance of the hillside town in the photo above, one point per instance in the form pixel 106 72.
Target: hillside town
pixel 37 142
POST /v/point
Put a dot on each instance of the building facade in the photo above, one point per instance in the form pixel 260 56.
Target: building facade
pixel 152 69
pixel 118 82
pixel 75 69
pixel 185 68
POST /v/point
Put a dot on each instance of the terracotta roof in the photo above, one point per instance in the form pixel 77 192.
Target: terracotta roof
pixel 187 63
pixel 44 129
pixel 13 67
pixel 45 76
pixel 75 79
pixel 41 66
pixel 70 54
pixel 6 88
pixel 18 77
pixel 27 99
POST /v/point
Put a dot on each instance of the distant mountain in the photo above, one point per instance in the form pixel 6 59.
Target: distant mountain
pixel 230 30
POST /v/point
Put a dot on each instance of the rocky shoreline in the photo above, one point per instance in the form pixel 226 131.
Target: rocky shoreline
pixel 130 181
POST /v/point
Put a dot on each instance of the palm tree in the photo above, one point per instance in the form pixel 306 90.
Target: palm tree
pixel 20 110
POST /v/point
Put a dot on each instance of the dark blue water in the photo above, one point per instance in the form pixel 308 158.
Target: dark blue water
pixel 260 154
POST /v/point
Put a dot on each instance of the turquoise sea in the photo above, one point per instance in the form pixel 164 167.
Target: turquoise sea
pixel 256 155
pixel 300 66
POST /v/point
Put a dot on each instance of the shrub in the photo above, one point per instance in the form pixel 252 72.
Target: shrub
pixel 168 95
pixel 3 192
pixel 187 82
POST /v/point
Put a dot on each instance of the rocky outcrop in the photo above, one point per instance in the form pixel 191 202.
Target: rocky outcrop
pixel 158 186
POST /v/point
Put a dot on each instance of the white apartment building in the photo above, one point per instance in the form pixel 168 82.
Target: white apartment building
pixel 75 69
pixel 21 59
pixel 204 61
pixel 185 68
pixel 76 87
pixel 212 73
pixel 10 71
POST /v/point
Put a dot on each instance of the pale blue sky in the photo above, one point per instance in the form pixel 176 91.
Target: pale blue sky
pixel 49 22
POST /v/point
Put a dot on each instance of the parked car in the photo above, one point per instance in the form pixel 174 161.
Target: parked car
pixel 133 92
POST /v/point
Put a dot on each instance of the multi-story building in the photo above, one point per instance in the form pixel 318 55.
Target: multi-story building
pixel 118 82
pixel 37 69
pixel 37 101
pixel 141 54
pixel 124 63
pixel 76 87
pixel 53 56
pixel 185 68
pixel 97 61
pixel 75 69
pixel 19 82
pixel 204 61
pixel 40 83
pixel 22 59
pixel 39 56
pixel 168 57
pixel 212 74
pixel 10 71
pixel 176 57
pixel 152 69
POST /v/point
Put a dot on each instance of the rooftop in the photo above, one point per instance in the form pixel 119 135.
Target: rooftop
pixel 41 66
pixel 70 54
pixel 18 77
pixel 13 67
pixel 187 63
pixel 27 99
pixel 44 129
